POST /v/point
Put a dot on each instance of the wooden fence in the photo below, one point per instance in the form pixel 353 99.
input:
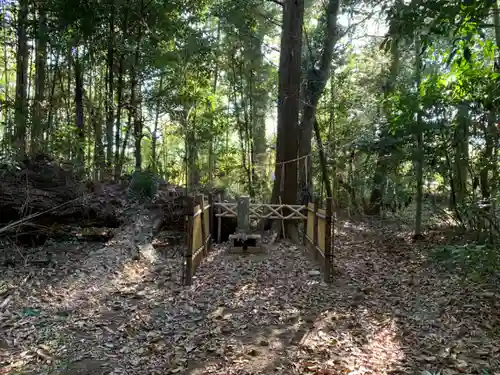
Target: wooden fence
pixel 318 236
pixel 199 236
pixel 260 211
pixel 318 227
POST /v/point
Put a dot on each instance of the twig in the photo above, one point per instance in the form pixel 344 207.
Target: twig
pixel 5 302
pixel 8 299
pixel 24 280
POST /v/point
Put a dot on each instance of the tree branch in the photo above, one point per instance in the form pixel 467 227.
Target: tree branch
pixel 277 2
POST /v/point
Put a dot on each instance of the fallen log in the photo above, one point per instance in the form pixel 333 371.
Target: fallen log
pixel 39 199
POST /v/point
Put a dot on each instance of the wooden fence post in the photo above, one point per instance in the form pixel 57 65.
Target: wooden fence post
pixel 188 263
pixel 211 213
pixel 315 233
pixel 304 234
pixel 200 200
pixel 328 241
pixel 219 222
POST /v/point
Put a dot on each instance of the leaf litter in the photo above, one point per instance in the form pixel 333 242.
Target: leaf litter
pixel 388 312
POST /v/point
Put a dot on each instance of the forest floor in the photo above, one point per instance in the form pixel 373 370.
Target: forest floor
pixel 389 311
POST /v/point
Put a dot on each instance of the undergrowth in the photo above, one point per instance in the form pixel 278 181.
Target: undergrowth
pixel 143 184
pixel 475 262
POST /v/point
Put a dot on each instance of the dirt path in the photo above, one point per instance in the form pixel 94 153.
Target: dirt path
pixel 389 312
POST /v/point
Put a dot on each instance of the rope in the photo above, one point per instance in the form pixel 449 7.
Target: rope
pixel 292 160
pixel 282 182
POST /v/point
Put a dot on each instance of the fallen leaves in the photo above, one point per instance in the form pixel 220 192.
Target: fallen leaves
pixel 255 314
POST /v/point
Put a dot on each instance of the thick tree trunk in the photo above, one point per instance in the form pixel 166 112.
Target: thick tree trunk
pixel 288 106
pixel 21 99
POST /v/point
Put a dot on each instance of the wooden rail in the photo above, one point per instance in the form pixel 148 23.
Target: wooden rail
pixel 260 211
pixel 199 240
pixel 318 236
pixel 318 229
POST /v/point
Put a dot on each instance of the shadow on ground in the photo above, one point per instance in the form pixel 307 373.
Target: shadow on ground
pixel 389 311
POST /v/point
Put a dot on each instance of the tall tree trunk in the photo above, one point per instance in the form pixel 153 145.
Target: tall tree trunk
pixel 98 120
pixel 381 166
pixel 288 106
pixel 118 126
pixel 331 141
pixel 489 132
pixel 245 131
pixel 68 96
pixel 8 134
pixel 461 147
pixel 316 82
pixel 110 92
pixel 154 136
pixel 419 162
pixel 119 94
pixel 259 99
pixel 211 163
pixel 51 110
pixel 79 117
pixel 38 123
pixel 322 161
pixel 193 172
pixel 137 104
pixel 138 135
pixel 21 99
pixel 127 135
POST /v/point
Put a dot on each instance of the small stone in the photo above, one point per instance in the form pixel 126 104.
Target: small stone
pixel 314 273
pixel 253 352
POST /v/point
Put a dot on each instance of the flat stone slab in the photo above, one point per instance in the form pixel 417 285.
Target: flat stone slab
pixel 248 250
pixel 245 236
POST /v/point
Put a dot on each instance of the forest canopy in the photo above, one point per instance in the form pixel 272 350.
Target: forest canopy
pixel 379 105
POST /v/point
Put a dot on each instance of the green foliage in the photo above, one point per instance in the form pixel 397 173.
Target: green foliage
pixel 475 262
pixel 143 184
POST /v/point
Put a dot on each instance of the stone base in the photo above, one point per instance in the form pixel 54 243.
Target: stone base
pixel 242 243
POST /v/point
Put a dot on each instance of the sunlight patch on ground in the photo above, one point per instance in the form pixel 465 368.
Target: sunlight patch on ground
pixel 132 272
pixel 354 345
pixel 352 226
